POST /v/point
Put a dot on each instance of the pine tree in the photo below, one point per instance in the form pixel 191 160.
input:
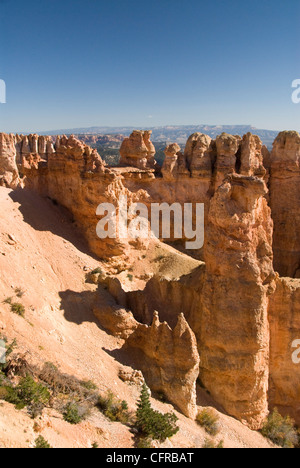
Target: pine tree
pixel 143 408
pixel 152 423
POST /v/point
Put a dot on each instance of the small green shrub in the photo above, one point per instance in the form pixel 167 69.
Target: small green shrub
pixel 9 394
pixel 88 384
pixel 41 443
pixel 97 271
pixel 18 309
pixel 209 444
pixel 31 392
pixel 281 430
pixel 26 393
pixel 114 409
pixel 95 445
pixel 130 277
pixel 153 424
pixel 208 419
pixel 71 414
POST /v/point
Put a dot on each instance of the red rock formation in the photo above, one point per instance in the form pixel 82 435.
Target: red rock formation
pixel 252 156
pixel 239 276
pixel 169 360
pixel 200 154
pixel 285 203
pixel 226 305
pixel 138 151
pixel 170 165
pixel 227 148
pixel 9 175
pixel 284 319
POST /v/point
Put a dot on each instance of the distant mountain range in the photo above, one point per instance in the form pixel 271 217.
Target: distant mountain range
pixel 174 133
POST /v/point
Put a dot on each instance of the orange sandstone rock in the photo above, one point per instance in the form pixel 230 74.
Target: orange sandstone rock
pixel 9 175
pixel 285 203
pixel 138 150
pixel 234 344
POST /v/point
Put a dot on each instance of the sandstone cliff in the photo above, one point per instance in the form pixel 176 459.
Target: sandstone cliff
pixel 284 319
pixel 168 358
pixel 138 150
pixel 9 175
pixel 226 301
pixel 285 203
pixel 239 274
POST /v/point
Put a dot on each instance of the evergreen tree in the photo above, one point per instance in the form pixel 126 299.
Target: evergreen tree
pixel 152 423
pixel 143 408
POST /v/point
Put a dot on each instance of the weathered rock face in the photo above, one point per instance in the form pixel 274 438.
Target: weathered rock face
pixel 138 150
pixel 169 360
pixel 225 303
pixel 200 154
pixel 226 164
pixel 284 319
pixel 285 203
pixel 75 176
pixel 239 277
pixel 32 148
pixel 9 175
pixel 113 318
pixel 252 156
pixel 170 166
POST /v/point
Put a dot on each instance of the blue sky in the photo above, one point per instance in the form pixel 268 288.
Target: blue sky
pixel 74 63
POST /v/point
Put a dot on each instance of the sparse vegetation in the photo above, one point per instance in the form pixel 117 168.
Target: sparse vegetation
pixel 8 300
pixel 113 409
pixel 88 384
pixel 153 424
pixel 130 277
pixel 41 443
pixel 208 419
pixel 19 292
pixel 27 393
pixel 71 414
pixel 281 430
pixel 18 308
pixel 210 444
pixel 97 271
pixel 95 445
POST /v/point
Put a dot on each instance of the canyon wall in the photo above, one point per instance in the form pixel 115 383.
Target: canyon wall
pixel 285 203
pixel 227 303
pixel 9 175
pixel 284 316
pixel 239 278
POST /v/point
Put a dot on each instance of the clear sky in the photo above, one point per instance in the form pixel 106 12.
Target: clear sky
pixel 75 63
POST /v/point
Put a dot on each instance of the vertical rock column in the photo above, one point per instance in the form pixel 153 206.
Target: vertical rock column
pixel 285 203
pixel 234 346
pixel 9 175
